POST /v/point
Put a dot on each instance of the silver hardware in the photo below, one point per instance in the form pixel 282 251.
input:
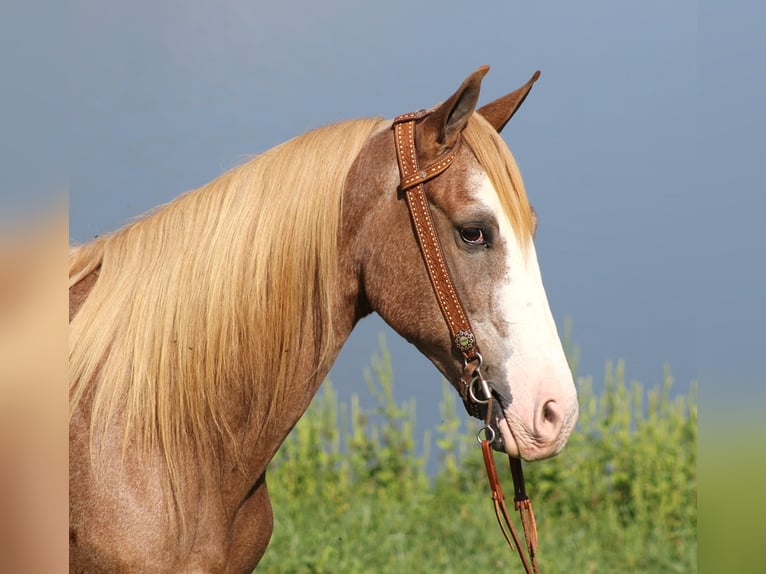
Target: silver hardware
pixel 484 389
pixel 477 356
pixel 488 432
pixel 465 340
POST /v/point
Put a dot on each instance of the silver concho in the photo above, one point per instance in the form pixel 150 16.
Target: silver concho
pixel 465 341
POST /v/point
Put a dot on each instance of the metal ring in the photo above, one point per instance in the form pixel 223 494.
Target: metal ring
pixel 484 387
pixel 476 356
pixel 486 429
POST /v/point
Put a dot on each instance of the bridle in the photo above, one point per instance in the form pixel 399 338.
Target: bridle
pixel 474 389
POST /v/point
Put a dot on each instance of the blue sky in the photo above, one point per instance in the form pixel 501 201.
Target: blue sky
pixel 641 144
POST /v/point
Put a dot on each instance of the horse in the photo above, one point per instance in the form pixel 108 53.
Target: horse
pixel 200 332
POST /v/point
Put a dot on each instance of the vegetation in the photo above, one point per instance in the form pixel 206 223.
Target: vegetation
pixel 351 493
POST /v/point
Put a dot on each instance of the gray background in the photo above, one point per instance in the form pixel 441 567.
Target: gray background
pixel 641 145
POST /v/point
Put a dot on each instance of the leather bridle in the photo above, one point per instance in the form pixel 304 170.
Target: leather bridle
pixel 475 391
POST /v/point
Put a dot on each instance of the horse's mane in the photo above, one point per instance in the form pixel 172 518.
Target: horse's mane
pixel 223 283
pixel 498 162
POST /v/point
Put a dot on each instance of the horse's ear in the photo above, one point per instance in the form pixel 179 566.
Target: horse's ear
pixel 443 125
pixel 501 110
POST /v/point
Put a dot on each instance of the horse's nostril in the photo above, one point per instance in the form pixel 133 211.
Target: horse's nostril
pixel 549 415
pixel 551 420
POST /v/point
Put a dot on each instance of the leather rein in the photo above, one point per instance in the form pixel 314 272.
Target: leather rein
pixel 474 389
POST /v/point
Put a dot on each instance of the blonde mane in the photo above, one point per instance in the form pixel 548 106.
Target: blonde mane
pixel 499 164
pixel 221 284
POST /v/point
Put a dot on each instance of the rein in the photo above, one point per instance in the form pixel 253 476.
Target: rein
pixel 412 185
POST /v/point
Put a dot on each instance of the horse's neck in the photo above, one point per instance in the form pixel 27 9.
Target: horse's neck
pixel 262 443
pixel 349 306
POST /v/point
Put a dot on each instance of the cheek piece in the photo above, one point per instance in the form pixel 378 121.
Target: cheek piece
pixel 474 389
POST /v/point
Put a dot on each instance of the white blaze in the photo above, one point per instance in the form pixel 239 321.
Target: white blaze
pixel 522 335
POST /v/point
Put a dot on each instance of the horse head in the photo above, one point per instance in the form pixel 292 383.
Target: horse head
pixel 485 226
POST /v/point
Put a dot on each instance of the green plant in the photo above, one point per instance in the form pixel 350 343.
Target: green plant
pixel 351 494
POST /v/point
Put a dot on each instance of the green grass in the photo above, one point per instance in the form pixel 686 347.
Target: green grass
pixel 351 494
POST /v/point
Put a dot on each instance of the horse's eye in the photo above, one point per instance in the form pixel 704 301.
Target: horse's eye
pixel 473 235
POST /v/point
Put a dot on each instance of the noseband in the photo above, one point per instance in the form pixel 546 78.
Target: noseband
pixel 473 388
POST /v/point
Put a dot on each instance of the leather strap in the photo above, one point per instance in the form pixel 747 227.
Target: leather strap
pixel 528 558
pixel 413 180
pixel 412 184
pixel 524 505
